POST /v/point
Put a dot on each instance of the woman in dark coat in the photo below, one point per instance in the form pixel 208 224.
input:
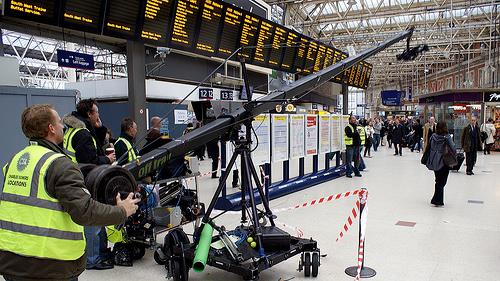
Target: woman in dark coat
pixel 397 138
pixel 435 162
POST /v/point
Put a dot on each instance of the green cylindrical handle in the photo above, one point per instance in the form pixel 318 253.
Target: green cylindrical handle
pixel 201 252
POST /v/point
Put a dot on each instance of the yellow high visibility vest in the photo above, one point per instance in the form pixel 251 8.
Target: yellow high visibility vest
pixel 32 223
pixel 130 150
pixel 348 140
pixel 68 142
pixel 362 134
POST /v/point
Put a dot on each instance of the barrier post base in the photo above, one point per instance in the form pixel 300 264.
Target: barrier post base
pixel 366 272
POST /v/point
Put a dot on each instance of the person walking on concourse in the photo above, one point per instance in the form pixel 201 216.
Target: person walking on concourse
pixel 470 144
pixel 435 162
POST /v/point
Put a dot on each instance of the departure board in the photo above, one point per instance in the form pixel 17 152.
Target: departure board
pixel 184 26
pixel 121 20
pixel 329 56
pixel 279 41
pixel 83 15
pixel 291 47
pixel 264 40
pixel 320 58
pixel 156 21
pixel 44 11
pixel 249 35
pixel 207 27
pixel 312 51
pixel 301 55
pixel 229 40
pixel 211 16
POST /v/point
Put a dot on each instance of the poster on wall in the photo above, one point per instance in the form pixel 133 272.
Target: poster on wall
pixel 297 147
pixel 180 116
pixel 336 133
pixel 345 121
pixel 262 145
pixel 324 133
pixel 279 127
pixel 311 134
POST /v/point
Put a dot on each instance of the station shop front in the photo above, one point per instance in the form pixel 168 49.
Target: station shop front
pixel 456 107
pixel 492 110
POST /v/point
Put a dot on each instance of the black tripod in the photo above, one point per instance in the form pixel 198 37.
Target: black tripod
pixel 249 176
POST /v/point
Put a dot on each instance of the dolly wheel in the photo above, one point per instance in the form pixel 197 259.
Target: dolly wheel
pixel 179 272
pixel 307 264
pixel 159 258
pixel 315 264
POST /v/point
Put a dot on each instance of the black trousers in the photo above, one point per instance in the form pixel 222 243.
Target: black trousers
pixel 441 179
pixel 215 166
pixel 487 148
pixel 398 148
pixel 470 160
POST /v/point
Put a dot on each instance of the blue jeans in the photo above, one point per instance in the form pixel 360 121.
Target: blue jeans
pixel 96 243
pixel 352 154
pixel 418 145
pixel 361 164
pixel 376 141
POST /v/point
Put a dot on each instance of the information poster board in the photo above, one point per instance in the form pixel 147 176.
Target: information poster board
pixel 297 146
pixel 345 121
pixel 262 126
pixel 324 133
pixel 311 134
pixel 336 133
pixel 279 137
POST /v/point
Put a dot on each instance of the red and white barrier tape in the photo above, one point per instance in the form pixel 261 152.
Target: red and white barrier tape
pixel 321 200
pixel 350 221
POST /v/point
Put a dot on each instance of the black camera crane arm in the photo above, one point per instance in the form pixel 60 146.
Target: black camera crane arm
pixel 157 158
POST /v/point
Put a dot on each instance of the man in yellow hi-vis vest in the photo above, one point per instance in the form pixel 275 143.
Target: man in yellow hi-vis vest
pixel 125 143
pixel 352 142
pixel 83 144
pixel 44 203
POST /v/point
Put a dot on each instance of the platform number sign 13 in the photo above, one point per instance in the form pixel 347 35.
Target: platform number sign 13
pixel 226 95
pixel 206 94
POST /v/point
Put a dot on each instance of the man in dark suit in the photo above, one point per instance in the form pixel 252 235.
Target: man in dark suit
pixel 470 144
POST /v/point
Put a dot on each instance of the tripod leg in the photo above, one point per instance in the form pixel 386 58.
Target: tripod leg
pixel 249 189
pixel 263 197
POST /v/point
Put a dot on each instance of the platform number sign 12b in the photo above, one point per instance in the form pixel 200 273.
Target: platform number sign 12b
pixel 206 94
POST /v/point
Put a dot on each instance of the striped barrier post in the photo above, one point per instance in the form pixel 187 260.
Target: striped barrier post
pixel 361 271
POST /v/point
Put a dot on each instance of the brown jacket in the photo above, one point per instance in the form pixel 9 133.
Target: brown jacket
pixel 427 135
pixel 65 182
pixel 467 140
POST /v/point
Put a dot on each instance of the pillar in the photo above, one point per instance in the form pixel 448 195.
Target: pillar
pixel 345 99
pixel 136 64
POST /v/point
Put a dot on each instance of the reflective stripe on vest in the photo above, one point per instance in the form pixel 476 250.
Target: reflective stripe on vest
pixel 348 140
pixel 362 135
pixel 32 223
pixel 130 150
pixel 68 142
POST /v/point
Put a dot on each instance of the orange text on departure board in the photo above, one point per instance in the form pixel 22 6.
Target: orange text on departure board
pixel 27 8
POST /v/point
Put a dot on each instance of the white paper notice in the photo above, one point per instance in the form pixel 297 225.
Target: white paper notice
pixel 261 125
pixel 180 116
pixel 297 146
pixel 324 133
pixel 336 133
pixel 311 134
pixel 345 121
pixel 279 137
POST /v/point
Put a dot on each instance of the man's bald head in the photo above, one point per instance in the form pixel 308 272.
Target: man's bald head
pixel 156 122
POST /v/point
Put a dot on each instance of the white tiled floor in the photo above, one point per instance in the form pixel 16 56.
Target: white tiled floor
pixel 458 242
